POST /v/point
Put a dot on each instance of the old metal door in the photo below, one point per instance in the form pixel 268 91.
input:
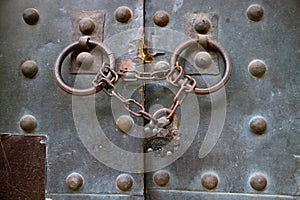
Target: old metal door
pixel 239 141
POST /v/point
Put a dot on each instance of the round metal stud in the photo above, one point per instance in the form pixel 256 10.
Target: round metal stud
pixel 31 16
pixel 161 18
pixel 124 182
pixel 257 68
pixel 258 181
pixel 255 12
pixel 86 26
pixel 123 14
pixel 28 123
pixel 29 68
pixel 74 181
pixel 161 178
pixel 209 181
pixel 85 60
pixel 202 26
pixel 258 125
pixel 125 123
pixel 203 60
pixel 161 65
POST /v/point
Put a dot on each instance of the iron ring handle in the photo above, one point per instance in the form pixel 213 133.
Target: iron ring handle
pixel 215 46
pixel 76 46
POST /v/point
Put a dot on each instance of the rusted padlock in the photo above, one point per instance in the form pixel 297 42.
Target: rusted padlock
pixel 162 135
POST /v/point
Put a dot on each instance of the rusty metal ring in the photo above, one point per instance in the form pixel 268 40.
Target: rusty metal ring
pixel 58 66
pixel 215 46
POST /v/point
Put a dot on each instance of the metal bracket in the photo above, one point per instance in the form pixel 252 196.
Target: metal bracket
pixel 190 67
pixel 98 17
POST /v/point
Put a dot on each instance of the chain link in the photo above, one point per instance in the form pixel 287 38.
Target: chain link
pixel 107 77
pixel 135 75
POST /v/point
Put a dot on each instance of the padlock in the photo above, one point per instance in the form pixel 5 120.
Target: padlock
pixel 162 134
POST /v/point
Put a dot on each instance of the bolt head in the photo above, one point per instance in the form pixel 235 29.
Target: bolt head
pixel 31 16
pixel 123 14
pixel 161 18
pixel 125 123
pixel 86 26
pixel 161 178
pixel 257 68
pixel 258 125
pixel 258 182
pixel 74 181
pixel 203 60
pixel 255 12
pixel 209 181
pixel 29 68
pixel 161 65
pixel 124 182
pixel 85 60
pixel 28 123
pixel 202 26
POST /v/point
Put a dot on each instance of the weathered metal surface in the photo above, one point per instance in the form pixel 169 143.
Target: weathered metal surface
pixel 22 167
pixel 239 152
pixel 93 197
pixel 181 194
pixel 51 106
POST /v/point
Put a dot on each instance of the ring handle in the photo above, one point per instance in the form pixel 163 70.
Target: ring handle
pixel 215 46
pixel 78 46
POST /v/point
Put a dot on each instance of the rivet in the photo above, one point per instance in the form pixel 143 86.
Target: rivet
pixel 85 60
pixel 74 181
pixel 161 178
pixel 28 123
pixel 258 125
pixel 161 65
pixel 125 123
pixel 124 182
pixel 31 16
pixel 203 60
pixel 209 181
pixel 255 12
pixel 257 68
pixel 202 26
pixel 123 14
pixel 150 150
pixel 258 181
pixel 29 68
pixel 161 18
pixel 86 26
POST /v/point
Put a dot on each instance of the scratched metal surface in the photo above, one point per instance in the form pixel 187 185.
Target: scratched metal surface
pixel 51 106
pixel 22 167
pixel 239 152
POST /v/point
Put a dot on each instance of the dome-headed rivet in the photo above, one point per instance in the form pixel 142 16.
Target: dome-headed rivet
pixel 258 125
pixel 124 182
pixel 125 123
pixel 209 181
pixel 257 68
pixel 74 181
pixel 255 12
pixel 258 181
pixel 161 178
pixel 28 123
pixel 202 26
pixel 29 68
pixel 31 16
pixel 161 18
pixel 86 26
pixel 123 14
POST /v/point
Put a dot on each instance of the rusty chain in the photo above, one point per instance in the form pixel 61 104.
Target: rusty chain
pixel 107 77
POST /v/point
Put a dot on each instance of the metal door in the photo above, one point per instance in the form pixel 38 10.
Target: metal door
pixel 239 139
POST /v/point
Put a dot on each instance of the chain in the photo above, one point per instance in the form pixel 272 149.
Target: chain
pixel 135 75
pixel 107 77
